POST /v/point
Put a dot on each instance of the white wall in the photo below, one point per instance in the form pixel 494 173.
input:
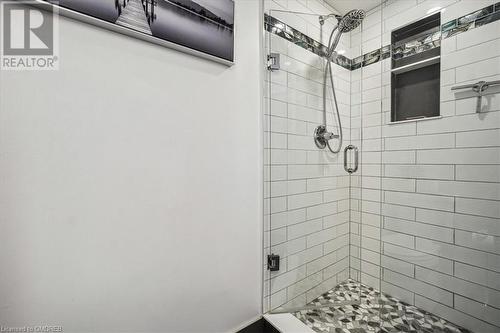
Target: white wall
pixel 131 186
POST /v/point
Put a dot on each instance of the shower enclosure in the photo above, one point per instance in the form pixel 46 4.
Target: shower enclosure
pixel 312 194
pixel 408 209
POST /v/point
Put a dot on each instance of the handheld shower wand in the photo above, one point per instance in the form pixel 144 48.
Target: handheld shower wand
pixel 346 23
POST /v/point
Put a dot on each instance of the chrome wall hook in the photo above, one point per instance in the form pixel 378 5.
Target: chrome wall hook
pixel 479 88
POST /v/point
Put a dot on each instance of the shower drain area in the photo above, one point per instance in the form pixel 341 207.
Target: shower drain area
pixel 376 312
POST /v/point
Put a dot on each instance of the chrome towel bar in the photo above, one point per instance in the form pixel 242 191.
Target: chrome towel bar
pixel 479 88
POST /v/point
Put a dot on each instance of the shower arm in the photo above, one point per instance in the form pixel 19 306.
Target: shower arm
pixel 323 18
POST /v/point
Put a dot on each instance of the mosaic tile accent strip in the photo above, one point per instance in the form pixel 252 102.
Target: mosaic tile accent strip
pixel 275 26
pixel 465 23
pixel 470 21
pixel 416 46
pixel 376 312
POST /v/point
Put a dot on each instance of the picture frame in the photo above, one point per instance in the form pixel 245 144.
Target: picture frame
pixel 202 28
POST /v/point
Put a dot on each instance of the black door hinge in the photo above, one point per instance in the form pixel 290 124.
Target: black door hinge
pixel 273 262
pixel 273 61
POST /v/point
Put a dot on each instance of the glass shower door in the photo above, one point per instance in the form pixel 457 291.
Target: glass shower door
pixel 308 202
pixel 414 231
pixel 441 191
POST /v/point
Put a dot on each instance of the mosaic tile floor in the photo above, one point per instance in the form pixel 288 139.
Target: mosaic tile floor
pixel 376 313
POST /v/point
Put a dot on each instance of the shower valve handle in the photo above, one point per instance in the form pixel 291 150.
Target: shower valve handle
pixel 322 136
pixel 330 135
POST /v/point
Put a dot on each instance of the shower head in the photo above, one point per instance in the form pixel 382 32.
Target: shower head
pixel 351 20
pixel 347 23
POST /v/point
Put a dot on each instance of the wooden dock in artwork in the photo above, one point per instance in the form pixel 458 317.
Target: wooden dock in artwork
pixel 134 17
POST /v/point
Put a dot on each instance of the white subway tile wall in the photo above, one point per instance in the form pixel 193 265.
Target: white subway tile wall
pixel 436 182
pixel 307 189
